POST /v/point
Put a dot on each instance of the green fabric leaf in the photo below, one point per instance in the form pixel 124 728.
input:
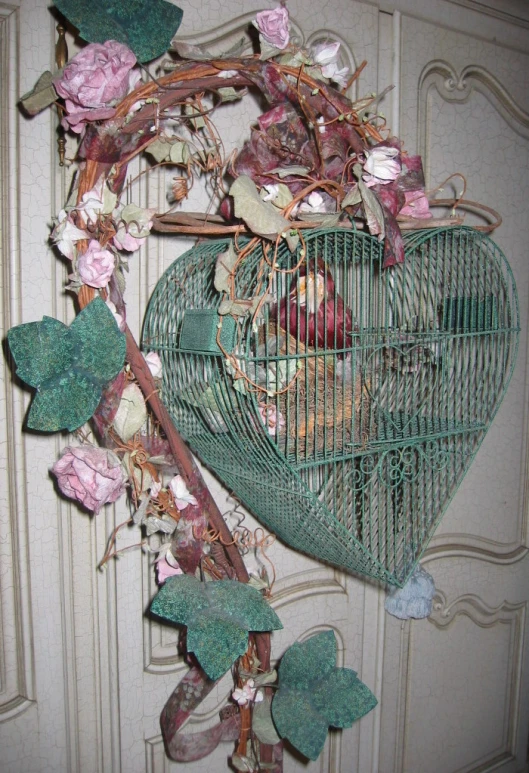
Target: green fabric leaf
pixel 217 642
pixel 68 366
pixel 261 217
pixel 218 616
pixel 314 694
pixel 66 404
pixel 145 26
pixel 297 720
pixel 41 350
pixel 99 345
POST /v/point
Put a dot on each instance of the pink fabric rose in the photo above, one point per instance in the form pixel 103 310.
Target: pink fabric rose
pixel 95 266
pixel 92 476
pixel 274 26
pixel 416 205
pixel 95 80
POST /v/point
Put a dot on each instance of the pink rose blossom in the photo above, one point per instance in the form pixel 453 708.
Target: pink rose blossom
pixel 416 205
pixel 274 26
pixel 96 265
pixel 95 80
pixel 179 490
pixel 92 476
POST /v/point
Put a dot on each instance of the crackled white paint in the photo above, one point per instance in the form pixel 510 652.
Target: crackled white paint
pixel 92 672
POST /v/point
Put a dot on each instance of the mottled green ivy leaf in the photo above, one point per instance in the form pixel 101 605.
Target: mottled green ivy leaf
pixel 64 404
pixel 68 366
pixel 145 26
pixel 314 694
pixel 218 616
pixel 261 217
pixel 99 345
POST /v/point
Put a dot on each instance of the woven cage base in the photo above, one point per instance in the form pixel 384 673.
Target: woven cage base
pixel 349 445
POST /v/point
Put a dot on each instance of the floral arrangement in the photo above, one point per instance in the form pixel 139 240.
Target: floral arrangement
pixel 315 158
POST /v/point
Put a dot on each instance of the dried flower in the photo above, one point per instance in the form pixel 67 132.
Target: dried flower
pixel 120 320
pixel 272 418
pixel 416 205
pixel 95 80
pixel 314 203
pixel 96 265
pixel 155 364
pixel 92 476
pixel 66 234
pixel 381 166
pixel 166 566
pixel 326 55
pixel 182 497
pixel 247 693
pixel 274 26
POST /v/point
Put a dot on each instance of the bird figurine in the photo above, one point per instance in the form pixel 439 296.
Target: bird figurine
pixel 314 312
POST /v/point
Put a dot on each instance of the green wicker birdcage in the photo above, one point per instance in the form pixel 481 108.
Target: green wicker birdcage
pixel 345 414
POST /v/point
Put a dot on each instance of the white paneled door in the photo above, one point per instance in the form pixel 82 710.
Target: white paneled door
pixel 83 672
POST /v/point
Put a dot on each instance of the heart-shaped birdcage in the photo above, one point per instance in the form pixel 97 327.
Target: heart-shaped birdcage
pixel 344 415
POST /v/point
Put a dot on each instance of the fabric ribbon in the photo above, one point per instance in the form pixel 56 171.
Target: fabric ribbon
pixel 187 696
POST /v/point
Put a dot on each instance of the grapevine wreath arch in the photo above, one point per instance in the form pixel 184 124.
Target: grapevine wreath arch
pixel 310 338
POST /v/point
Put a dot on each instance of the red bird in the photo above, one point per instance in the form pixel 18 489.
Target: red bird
pixel 317 315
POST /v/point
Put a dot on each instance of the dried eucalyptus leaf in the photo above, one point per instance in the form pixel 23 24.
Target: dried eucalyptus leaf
pixel 269 677
pixel 260 216
pixel 154 524
pixel 242 763
pixel 223 267
pixel 179 153
pixel 140 514
pixel 196 119
pixel 282 196
pixel 353 197
pixel 262 723
pixel 229 94
pixel 299 171
pixel 131 414
pixel 42 94
pixel 159 150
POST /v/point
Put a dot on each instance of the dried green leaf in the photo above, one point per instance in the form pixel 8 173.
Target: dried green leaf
pixel 286 171
pixel 223 269
pixel 159 150
pixel 42 94
pixel 229 94
pixel 261 217
pixel 352 198
pixel 179 153
pixel 131 414
pixel 262 723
